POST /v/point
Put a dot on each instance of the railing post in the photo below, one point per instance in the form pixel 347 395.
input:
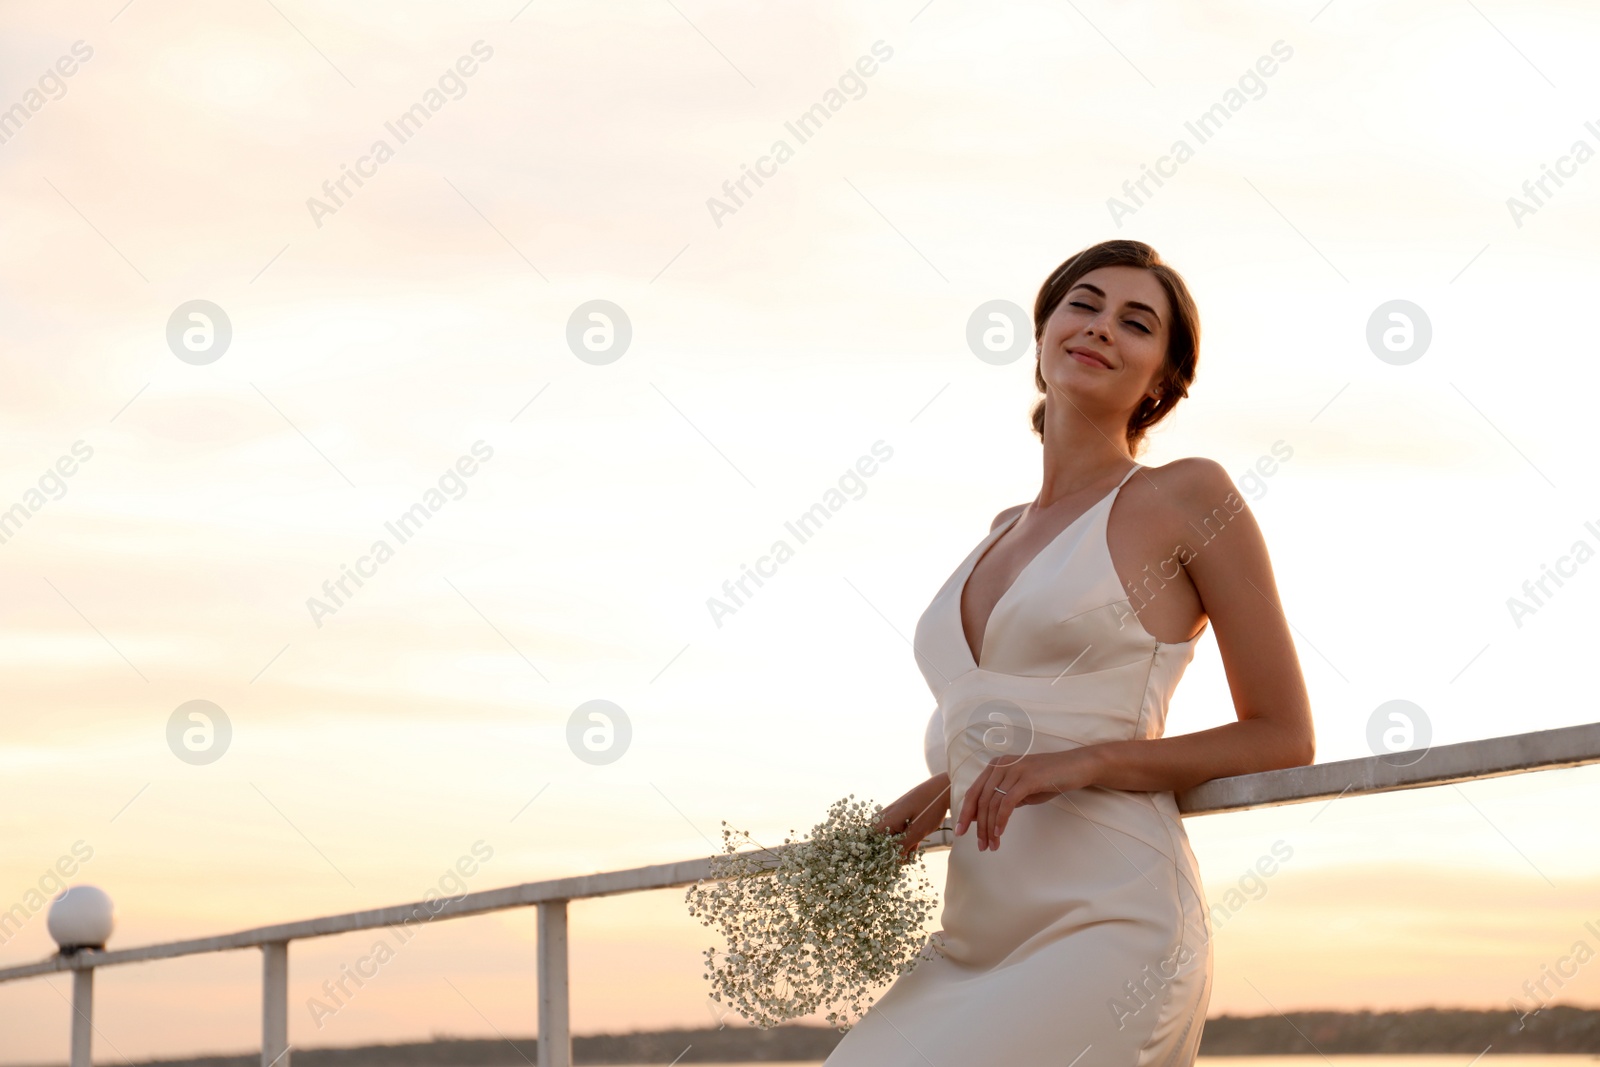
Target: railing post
pixel 82 1016
pixel 275 1004
pixel 555 1022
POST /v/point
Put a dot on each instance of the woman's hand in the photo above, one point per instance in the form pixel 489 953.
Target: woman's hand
pixel 917 814
pixel 1009 781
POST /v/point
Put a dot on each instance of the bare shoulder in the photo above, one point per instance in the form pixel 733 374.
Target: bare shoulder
pixel 1178 496
pixel 1004 515
pixel 1192 480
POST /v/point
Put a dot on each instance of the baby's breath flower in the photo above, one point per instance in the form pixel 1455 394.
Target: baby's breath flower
pixel 815 924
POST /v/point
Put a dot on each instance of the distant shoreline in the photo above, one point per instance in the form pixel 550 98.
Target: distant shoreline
pixel 1555 1030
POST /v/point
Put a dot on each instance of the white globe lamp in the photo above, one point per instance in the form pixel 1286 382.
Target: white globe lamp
pixel 81 916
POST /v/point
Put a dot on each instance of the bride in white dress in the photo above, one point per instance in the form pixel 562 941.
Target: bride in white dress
pixel 1053 650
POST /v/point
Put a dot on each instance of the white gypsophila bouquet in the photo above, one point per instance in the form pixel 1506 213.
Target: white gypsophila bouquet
pixel 818 923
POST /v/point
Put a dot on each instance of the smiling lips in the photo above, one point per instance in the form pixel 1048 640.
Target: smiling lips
pixel 1089 357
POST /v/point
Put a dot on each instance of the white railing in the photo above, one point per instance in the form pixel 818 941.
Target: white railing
pixel 1545 750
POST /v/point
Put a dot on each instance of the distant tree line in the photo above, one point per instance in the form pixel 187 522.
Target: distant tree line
pixel 1430 1030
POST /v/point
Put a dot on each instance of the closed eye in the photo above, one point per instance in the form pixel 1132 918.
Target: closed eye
pixel 1142 328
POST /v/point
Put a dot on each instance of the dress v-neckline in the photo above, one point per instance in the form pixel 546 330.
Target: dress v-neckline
pixel 983 550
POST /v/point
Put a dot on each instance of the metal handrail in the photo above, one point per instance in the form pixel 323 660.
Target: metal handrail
pixel 1494 757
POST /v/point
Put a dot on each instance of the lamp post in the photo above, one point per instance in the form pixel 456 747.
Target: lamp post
pixel 81 920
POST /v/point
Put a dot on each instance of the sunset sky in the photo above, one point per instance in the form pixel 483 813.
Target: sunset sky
pixel 404 341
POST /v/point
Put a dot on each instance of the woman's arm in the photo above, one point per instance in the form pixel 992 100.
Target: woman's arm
pixel 1232 575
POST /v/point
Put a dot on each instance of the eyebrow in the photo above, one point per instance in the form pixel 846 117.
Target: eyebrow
pixel 1101 294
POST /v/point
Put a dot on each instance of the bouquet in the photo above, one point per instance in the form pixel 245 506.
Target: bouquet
pixel 819 923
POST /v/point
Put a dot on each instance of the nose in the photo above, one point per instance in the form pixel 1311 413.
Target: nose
pixel 1100 324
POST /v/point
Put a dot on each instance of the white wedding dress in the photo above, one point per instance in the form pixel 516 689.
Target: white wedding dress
pixel 1084 938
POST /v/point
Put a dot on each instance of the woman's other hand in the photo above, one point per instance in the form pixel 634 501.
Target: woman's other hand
pixel 1009 782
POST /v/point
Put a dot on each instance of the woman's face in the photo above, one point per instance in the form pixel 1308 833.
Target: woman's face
pixel 1104 344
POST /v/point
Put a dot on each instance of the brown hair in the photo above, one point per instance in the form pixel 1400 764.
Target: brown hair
pixel 1183 335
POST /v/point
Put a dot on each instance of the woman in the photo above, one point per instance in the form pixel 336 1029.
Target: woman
pixel 1053 651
